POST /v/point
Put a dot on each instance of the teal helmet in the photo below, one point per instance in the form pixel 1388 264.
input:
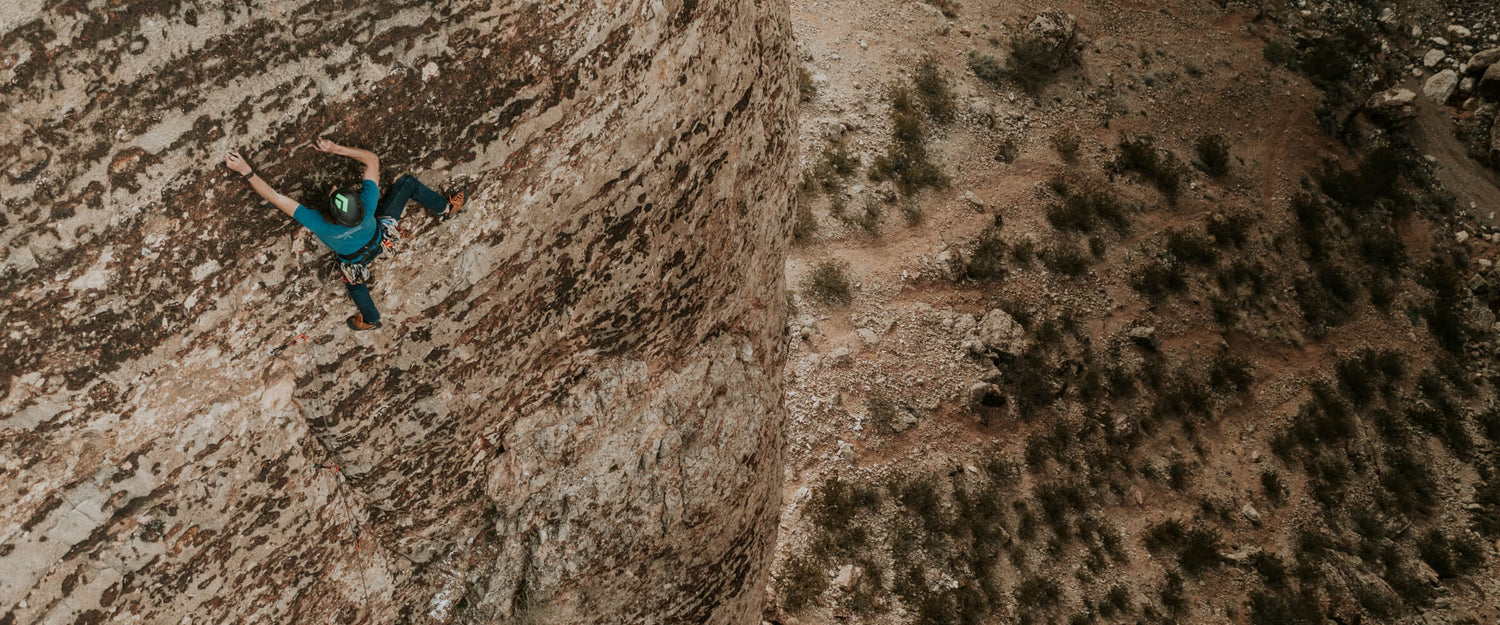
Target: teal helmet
pixel 344 208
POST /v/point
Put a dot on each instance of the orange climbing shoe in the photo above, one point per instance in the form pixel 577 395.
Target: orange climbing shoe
pixel 455 204
pixel 357 323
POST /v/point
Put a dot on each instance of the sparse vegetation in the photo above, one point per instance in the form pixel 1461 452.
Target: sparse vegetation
pixel 932 86
pixel 828 283
pixel 1067 144
pixel 906 161
pixel 1158 167
pixel 986 68
pixel 1213 155
pixel 806 88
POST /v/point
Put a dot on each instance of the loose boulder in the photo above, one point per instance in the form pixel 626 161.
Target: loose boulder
pixel 1482 61
pixel 1489 85
pixel 1001 334
pixel 1392 106
pixel 1047 43
pixel 1441 85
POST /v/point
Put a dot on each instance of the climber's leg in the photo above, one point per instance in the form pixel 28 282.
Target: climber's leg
pixel 407 188
pixel 368 317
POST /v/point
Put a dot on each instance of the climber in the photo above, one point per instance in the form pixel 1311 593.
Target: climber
pixel 344 224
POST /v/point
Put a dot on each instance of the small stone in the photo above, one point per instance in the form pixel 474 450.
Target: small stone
pixel 1439 41
pixel 1485 263
pixel 1251 513
pixel 847 576
pixel 1458 31
pixel 1433 57
pixel 1461 236
pixel 868 336
pixel 973 200
pixel 1255 456
pixel 1416 31
pixel 841 357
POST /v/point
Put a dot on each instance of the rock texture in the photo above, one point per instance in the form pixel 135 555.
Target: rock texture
pixel 574 412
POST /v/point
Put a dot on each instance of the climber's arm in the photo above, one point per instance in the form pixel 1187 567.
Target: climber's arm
pixel 368 158
pixel 237 163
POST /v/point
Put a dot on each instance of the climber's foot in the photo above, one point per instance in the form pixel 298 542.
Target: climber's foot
pixel 455 204
pixel 357 323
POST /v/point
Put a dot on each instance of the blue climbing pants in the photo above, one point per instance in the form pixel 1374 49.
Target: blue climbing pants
pixel 392 205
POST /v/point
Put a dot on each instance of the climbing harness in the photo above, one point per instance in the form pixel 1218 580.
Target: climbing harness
pixel 355 267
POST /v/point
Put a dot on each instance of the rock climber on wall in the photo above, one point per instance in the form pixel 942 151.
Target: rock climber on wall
pixel 344 223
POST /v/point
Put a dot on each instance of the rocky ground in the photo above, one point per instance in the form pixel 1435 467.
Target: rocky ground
pixel 1240 372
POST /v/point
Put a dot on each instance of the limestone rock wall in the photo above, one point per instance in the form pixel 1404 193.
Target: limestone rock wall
pixel 574 411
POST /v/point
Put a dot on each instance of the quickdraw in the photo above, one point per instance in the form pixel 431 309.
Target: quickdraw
pixel 296 340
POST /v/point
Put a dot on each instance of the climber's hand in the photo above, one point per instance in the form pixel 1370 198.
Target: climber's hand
pixel 330 147
pixel 234 161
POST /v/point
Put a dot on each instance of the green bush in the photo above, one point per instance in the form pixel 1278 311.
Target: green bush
pixel 828 283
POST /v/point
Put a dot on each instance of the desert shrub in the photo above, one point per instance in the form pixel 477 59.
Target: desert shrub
pixel 1038 591
pixel 881 411
pixel 1168 534
pixel 1369 375
pixel 986 261
pixel 1444 313
pixel 1230 229
pixel 948 8
pixel 805 85
pixel 1213 154
pixel 1158 167
pixel 906 161
pixel 1200 551
pixel 912 213
pixel 1450 556
pixel 1272 484
pixel 837 502
pixel 1007 150
pixel 829 283
pixel 920 497
pixel 1085 209
pixel 932 87
pixel 829 173
pixel 802 581
pixel 1326 298
pixel 806 226
pixel 866 219
pixel 987 68
pixel 1489 424
pixel 1173 594
pixel 1230 375
pixel 1277 52
pixel 1066 259
pixel 1158 279
pixel 1023 252
pixel 1116 601
pixel 1067 144
pixel 1284 608
pixel 1191 248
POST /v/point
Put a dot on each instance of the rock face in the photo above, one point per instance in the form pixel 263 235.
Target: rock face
pixel 574 410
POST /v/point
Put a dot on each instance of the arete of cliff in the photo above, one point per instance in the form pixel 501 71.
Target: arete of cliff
pixel 574 411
